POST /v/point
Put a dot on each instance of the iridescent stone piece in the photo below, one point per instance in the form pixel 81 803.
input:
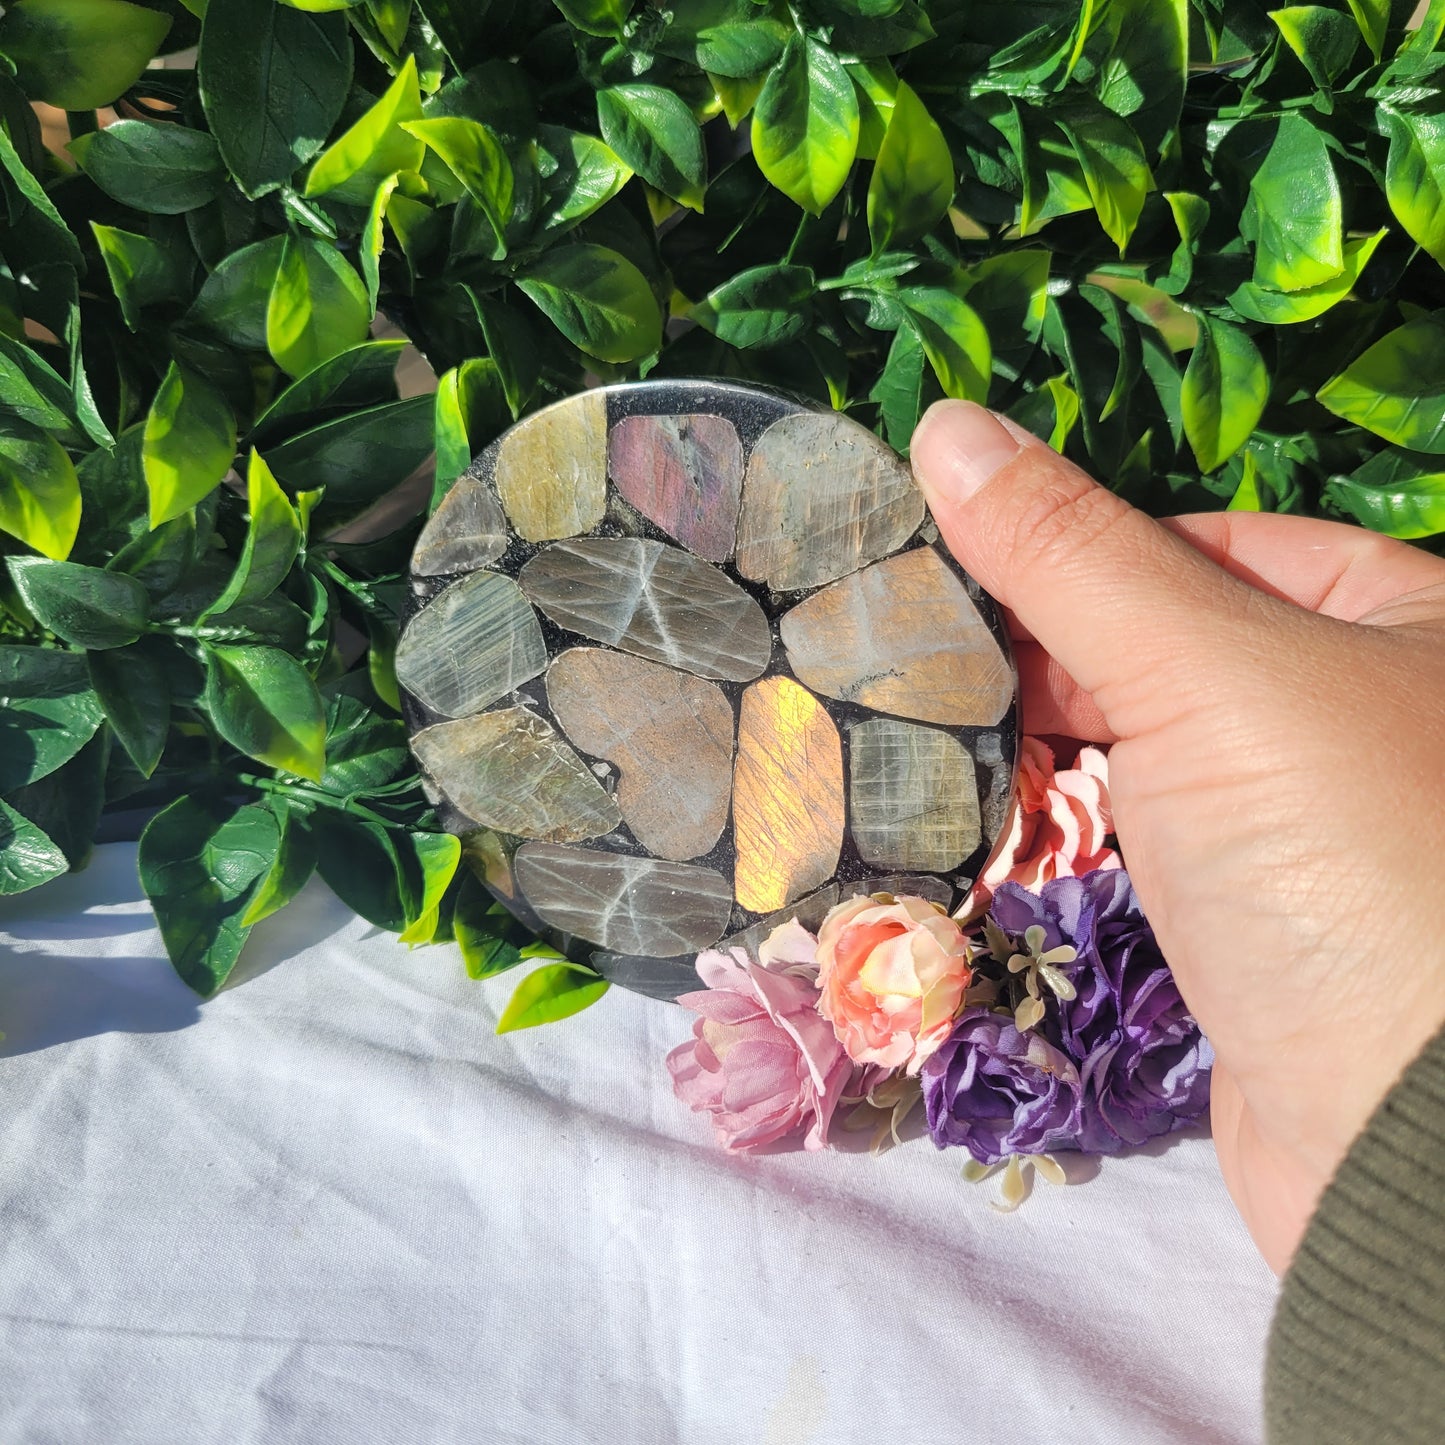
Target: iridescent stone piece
pixel 683 472
pixel 684 660
pixel 653 601
pixel 904 637
pixel 670 736
pixel 477 642
pixel 509 771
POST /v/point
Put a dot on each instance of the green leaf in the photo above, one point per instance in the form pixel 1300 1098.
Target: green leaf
pixel 39 735
pixel 763 306
pixel 133 686
pixel 53 233
pixel 352 380
pixel 1226 387
pixel 359 862
pixel 85 606
pixel 1373 18
pixel 373 238
pixel 437 856
pixel 317 308
pixel 154 166
pixel 190 443
pixel 913 180
pixel 264 703
pixel 199 859
pixel 489 937
pixel 39 491
pixel 1143 76
pixel 1394 493
pixel 724 39
pixel 290 869
pixel 1397 388
pixel 471 408
pixel 364 751
pixel 579 175
pixel 1324 40
pixel 273 540
pixel 80 54
pixel 806 124
pixel 235 298
pixel 1246 496
pixel 513 344
pixel 474 155
pixel 1191 216
pixel 1115 170
pixel 654 132
pixel 898 392
pixel 1415 177
pixel 31 390
pixel 375 147
pixel 597 299
pixel 1296 211
pixel 548 994
pixel 141 272
pixel 1280 308
pixel 596 17
pixel 40 672
pixel 28 856
pixel 870 37
pixel 273 81
pixel 954 338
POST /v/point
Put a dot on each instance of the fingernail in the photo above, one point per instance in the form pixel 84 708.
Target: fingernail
pixel 958 447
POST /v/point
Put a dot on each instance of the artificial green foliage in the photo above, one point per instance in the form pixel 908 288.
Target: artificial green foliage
pixel 1195 244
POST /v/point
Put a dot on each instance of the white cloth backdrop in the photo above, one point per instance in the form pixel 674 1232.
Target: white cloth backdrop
pixel 330 1205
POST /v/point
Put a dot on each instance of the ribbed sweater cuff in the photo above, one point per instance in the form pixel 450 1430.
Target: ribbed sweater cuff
pixel 1357 1351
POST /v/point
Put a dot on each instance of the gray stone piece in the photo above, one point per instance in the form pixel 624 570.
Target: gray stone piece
pixel 472 644
pixel 627 905
pixel 903 637
pixel 510 771
pixel 467 531
pixel 670 735
pixel 663 978
pixel 913 796
pixel 653 601
pixel 822 497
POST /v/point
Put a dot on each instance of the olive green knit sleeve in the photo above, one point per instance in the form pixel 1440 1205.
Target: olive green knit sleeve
pixel 1357 1351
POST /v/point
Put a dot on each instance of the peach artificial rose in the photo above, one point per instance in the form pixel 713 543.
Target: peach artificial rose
pixel 1057 828
pixel 891 978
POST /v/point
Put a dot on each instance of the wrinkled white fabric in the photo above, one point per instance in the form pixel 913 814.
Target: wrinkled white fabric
pixel 329 1205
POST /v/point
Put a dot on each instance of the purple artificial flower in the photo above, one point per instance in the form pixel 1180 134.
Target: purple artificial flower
pixel 1143 1063
pixel 997 1091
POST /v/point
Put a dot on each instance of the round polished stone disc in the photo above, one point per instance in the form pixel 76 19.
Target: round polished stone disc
pixel 685 659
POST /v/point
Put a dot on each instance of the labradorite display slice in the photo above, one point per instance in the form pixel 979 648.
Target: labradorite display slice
pixel 509 770
pixel 472 644
pixel 669 734
pixel 903 637
pixel 653 601
pixel 627 905
pixel 821 498
pixel 467 531
pixel 552 469
pixel 913 795
pixel 685 473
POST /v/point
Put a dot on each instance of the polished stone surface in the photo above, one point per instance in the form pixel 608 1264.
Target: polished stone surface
pixel 654 601
pixel 913 796
pixel 822 497
pixel 552 469
pixel 669 734
pixel 903 637
pixel 685 473
pixel 509 770
pixel 788 808
pixel 478 641
pixel 466 531
pixel 627 905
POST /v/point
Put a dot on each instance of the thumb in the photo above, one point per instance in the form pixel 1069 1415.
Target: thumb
pixel 1131 612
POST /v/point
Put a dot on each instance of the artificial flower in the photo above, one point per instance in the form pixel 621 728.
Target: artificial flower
pixel 997 1091
pixel 892 978
pixel 1143 1063
pixel 762 1062
pixel 1058 826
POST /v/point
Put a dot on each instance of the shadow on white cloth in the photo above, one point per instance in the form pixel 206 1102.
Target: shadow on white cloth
pixel 329 1205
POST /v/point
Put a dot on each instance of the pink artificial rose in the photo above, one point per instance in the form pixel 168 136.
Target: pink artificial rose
pixel 892 978
pixel 1057 827
pixel 762 1060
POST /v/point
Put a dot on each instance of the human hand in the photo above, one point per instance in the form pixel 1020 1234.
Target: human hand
pixel 1274 688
